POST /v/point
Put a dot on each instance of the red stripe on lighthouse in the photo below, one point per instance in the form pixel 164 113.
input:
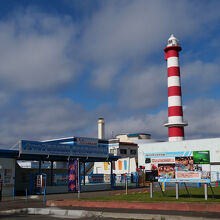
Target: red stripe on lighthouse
pixel 175 111
pixel 174 71
pixel 172 53
pixel 176 132
pixel 174 91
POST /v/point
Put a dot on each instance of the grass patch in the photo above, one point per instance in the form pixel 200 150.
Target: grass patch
pixel 196 195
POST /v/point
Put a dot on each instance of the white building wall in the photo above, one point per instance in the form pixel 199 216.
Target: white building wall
pixel 103 168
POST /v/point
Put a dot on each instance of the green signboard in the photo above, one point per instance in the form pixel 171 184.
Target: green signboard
pixel 201 157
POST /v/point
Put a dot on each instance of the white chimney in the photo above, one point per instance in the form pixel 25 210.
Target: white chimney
pixel 101 128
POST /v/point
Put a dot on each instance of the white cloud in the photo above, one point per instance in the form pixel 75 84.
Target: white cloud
pixel 43 118
pixel 203 116
pixel 199 75
pixel 145 89
pixel 147 123
pixel 102 77
pixel 34 51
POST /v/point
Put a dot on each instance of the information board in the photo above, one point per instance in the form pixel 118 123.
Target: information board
pixel 189 166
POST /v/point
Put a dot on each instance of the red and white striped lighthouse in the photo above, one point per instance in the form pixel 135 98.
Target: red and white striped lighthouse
pixel 175 122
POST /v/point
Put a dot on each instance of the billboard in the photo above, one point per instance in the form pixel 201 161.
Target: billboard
pixel 189 166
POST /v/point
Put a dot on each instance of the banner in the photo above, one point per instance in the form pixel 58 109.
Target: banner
pixel 106 165
pixel 113 164
pixel 125 164
pixel 73 175
pixel 119 164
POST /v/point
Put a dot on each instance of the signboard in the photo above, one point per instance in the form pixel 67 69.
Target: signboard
pixel 189 166
pixel 39 181
pixel 42 148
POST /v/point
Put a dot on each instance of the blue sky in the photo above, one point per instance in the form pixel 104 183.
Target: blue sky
pixel 64 63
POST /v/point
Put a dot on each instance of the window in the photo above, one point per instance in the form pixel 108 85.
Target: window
pixel 133 152
pixel 123 151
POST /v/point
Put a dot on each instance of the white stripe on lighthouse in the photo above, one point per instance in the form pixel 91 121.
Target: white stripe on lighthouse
pixel 174 101
pixel 175 119
pixel 173 81
pixel 172 61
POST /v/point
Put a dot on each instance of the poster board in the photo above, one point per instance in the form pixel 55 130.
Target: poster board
pixel 189 166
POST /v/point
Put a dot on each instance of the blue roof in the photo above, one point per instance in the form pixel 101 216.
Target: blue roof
pixel 15 153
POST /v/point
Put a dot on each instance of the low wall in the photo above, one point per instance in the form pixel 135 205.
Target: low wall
pixel 176 206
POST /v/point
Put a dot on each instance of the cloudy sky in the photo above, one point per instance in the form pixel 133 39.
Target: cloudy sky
pixel 65 63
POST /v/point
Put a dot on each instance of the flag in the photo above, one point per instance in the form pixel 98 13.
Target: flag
pixel 73 175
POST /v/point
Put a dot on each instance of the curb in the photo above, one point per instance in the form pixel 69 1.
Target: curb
pixel 97 214
pixel 166 206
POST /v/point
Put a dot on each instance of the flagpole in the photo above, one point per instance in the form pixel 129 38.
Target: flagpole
pixel 78 178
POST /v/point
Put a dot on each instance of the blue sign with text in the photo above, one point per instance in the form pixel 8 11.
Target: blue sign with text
pixel 56 149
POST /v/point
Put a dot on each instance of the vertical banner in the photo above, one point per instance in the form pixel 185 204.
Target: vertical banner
pixel 119 164
pixel 125 164
pixel 73 175
pixel 113 164
pixel 106 165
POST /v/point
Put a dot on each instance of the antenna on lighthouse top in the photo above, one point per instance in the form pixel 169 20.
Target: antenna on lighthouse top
pixel 172 41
